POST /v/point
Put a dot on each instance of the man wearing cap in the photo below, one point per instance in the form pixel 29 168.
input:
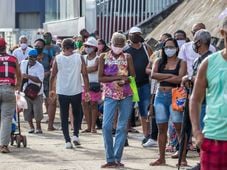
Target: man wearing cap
pixel 141 53
pixel 33 73
pixel 21 53
pixel 10 79
pixel 211 81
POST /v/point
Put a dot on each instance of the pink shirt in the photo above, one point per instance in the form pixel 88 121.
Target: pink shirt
pixel 188 55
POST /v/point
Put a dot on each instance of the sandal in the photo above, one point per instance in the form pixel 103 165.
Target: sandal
pixel 93 131
pixel 119 164
pixel 109 165
pixel 86 131
pixel 51 129
pixel 4 149
pixel 158 162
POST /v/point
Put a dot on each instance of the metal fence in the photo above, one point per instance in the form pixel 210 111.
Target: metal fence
pixel 121 15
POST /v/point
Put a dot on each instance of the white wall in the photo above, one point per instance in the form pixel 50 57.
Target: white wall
pixel 7 13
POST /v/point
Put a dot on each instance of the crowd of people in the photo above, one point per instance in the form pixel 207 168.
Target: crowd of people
pixel 84 74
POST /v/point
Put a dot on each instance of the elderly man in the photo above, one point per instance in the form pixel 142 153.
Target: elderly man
pixel 10 79
pixel 21 53
pixel 33 73
pixel 211 81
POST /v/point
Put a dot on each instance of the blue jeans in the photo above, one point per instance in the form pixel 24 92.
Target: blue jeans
pixel 145 96
pixel 163 108
pixel 114 151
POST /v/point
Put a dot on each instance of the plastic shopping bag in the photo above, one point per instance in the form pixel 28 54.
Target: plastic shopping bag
pixel 135 97
pixel 21 101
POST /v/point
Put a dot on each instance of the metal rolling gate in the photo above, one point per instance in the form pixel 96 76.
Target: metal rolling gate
pixel 121 15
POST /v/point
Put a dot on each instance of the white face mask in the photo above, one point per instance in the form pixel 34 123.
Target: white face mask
pixel 170 52
pixel 23 45
pixel 116 50
pixel 88 50
pixel 180 43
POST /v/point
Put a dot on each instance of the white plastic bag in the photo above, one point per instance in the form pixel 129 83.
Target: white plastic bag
pixel 21 101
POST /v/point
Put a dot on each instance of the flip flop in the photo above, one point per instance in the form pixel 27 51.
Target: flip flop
pixel 109 165
pixel 86 131
pixel 158 163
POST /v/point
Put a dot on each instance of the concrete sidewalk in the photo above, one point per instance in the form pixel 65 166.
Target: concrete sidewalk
pixel 46 151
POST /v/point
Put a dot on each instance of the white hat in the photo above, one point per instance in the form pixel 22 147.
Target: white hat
pixel 134 30
pixel 91 41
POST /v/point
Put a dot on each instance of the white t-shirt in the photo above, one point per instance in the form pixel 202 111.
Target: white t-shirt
pixel 188 55
pixel 93 77
pixel 20 55
pixel 69 74
pixel 36 70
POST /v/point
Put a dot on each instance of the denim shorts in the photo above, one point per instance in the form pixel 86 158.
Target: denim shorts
pixel 163 108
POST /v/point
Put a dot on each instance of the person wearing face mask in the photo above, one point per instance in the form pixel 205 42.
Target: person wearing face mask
pixel 187 53
pixel 90 109
pixel 21 53
pixel 33 72
pixel 211 83
pixel 202 39
pixel 181 37
pixel 141 53
pixel 115 67
pixel 45 60
pixel 168 71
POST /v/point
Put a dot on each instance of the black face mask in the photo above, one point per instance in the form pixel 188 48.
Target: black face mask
pixel 195 47
pixel 135 38
pixel 39 50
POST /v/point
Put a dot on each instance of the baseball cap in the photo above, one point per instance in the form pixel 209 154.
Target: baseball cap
pixel 135 30
pixel 2 42
pixel 33 53
pixel 91 41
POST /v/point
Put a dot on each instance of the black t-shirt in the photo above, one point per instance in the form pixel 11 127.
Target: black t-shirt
pixel 140 61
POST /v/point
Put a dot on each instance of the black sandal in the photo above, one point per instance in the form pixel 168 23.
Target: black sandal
pixel 109 165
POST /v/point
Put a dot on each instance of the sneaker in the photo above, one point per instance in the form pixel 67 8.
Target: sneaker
pixel 4 149
pixel 68 145
pixel 31 130
pixel 145 139
pixel 150 143
pixel 76 140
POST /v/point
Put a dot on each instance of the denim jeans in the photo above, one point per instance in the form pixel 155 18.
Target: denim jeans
pixel 163 108
pixel 144 95
pixel 114 151
pixel 7 107
pixel 64 102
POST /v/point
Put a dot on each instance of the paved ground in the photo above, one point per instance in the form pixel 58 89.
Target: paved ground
pixel 46 151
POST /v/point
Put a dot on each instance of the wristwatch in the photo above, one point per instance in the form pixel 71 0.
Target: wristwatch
pixel 189 77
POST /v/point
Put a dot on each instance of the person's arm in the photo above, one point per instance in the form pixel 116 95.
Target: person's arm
pixel 131 66
pixel 93 68
pixel 53 75
pixel 182 72
pixel 196 100
pixel 102 77
pixel 158 76
pixel 85 75
pixel 18 76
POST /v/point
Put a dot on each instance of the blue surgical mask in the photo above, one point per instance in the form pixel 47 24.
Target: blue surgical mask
pixel 89 50
pixel 170 52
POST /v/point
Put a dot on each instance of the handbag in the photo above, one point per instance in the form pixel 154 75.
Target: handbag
pixel 32 90
pixel 94 86
pixel 178 98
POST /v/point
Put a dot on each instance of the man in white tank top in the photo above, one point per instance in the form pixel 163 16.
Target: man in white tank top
pixel 67 68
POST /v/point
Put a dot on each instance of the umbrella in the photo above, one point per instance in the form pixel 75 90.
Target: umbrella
pixel 186 126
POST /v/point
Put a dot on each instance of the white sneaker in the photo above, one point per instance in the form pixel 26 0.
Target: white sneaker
pixel 76 140
pixel 150 143
pixel 68 145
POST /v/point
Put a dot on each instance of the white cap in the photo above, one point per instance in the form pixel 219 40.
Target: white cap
pixel 134 30
pixel 91 41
